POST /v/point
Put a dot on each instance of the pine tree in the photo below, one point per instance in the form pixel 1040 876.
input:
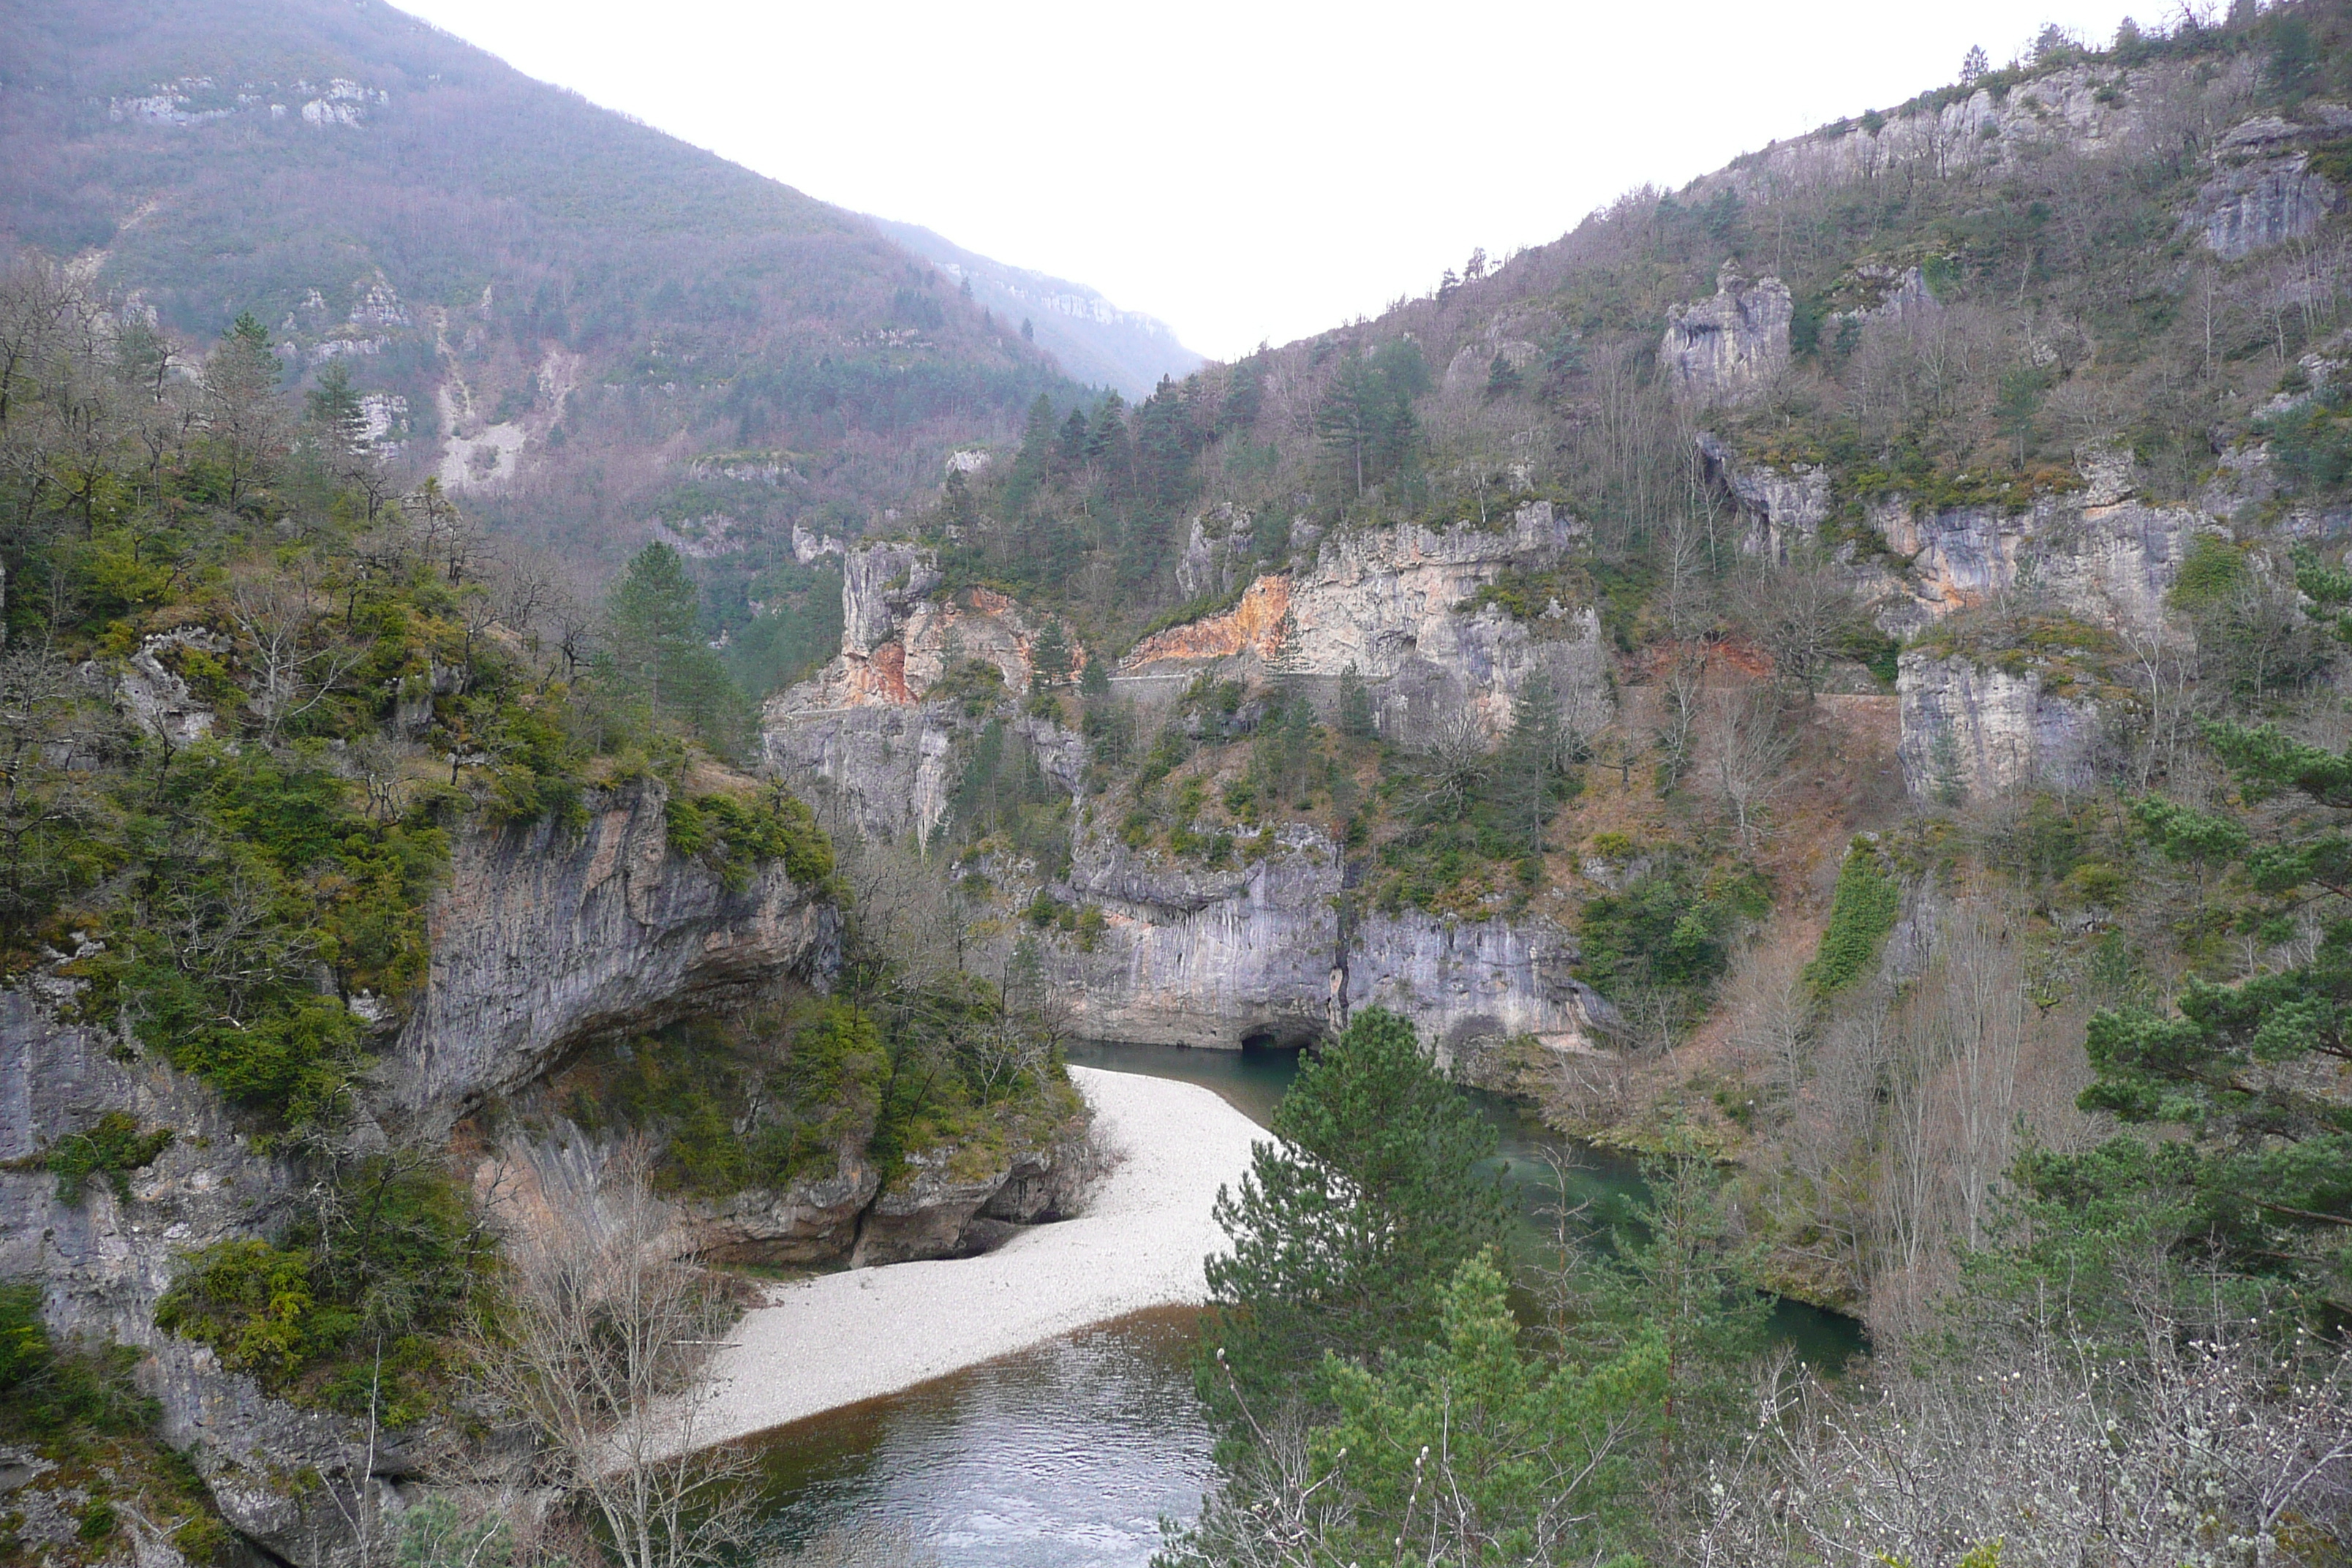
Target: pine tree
pixel 659 658
pixel 333 409
pixel 1502 377
pixel 1343 1231
pixel 2239 1071
pixel 1974 65
pixel 1357 720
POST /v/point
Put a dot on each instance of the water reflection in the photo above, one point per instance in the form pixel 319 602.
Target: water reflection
pixel 1062 1456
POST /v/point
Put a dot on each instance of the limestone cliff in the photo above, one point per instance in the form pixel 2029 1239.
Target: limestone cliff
pixel 2097 555
pixel 545 937
pixel 1272 949
pixel 1730 346
pixel 102 1261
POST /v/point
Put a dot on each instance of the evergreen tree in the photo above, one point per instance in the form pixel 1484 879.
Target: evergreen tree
pixel 1502 377
pixel 1357 720
pixel 1526 787
pixel 2243 1071
pixel 333 409
pixel 1049 658
pixel 1344 1230
pixel 1036 460
pixel 1365 417
pixel 1071 451
pixel 659 659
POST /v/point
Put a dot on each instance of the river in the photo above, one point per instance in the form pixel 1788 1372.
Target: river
pixel 1066 1456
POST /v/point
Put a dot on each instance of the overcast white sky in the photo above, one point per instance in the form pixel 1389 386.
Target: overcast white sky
pixel 1246 169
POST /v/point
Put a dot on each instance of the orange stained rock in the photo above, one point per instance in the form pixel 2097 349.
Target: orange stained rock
pixel 880 677
pixel 1257 625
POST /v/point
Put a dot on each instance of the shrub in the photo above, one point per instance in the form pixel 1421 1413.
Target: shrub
pixel 734 839
pixel 113 1148
pixel 252 1303
pixel 1861 912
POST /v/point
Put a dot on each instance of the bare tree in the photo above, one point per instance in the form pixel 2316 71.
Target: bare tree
pixel 600 1359
pixel 1751 744
pixel 1456 764
pixel 280 616
pixel 1802 614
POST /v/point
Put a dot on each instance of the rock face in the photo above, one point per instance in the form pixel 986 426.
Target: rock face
pixel 103 1262
pixel 544 939
pixel 2097 555
pixel 955 1201
pixel 1218 959
pixel 1969 731
pixel 1195 956
pixel 1389 602
pixel 1731 346
pixel 2261 204
pixel 2093 109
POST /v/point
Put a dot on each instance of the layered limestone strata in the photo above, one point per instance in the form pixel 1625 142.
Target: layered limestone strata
pixel 1196 956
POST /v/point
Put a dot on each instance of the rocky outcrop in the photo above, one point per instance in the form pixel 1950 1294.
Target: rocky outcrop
pixel 545 937
pixel 1222 542
pixel 1970 731
pixel 1271 952
pixel 956 1199
pixel 2261 204
pixel 2093 109
pixel 1392 604
pixel 880 583
pixel 103 1261
pixel 157 697
pixel 1731 346
pixel 2265 190
pixel 2097 554
pixel 897 641
pixel 1782 509
pixel 1264 950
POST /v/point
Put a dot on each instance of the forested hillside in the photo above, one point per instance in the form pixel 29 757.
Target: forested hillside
pixel 1829 679
pixel 594 332
pixel 1832 675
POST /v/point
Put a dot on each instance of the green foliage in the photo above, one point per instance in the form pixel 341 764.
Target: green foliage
pixel 1343 1232
pixel 253 1304
pixel 735 1108
pixel 1862 912
pixel 252 868
pixel 2312 442
pixel 1670 929
pixel 1472 1441
pixel 342 1311
pixel 2211 574
pixel 658 656
pixel 1366 418
pixel 1003 795
pixel 2267 1164
pixel 46 1389
pixel 112 1148
pixel 735 837
pixel 797 631
pixel 434 1534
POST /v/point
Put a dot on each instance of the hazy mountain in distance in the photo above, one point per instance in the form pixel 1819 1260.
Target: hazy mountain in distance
pixel 589 330
pixel 1093 341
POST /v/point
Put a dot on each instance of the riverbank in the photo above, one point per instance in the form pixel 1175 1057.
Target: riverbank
pixel 822 1343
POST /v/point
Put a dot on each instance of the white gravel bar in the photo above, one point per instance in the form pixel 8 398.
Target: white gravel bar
pixel 841 1338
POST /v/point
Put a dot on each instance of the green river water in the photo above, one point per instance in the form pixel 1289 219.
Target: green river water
pixel 1068 1455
